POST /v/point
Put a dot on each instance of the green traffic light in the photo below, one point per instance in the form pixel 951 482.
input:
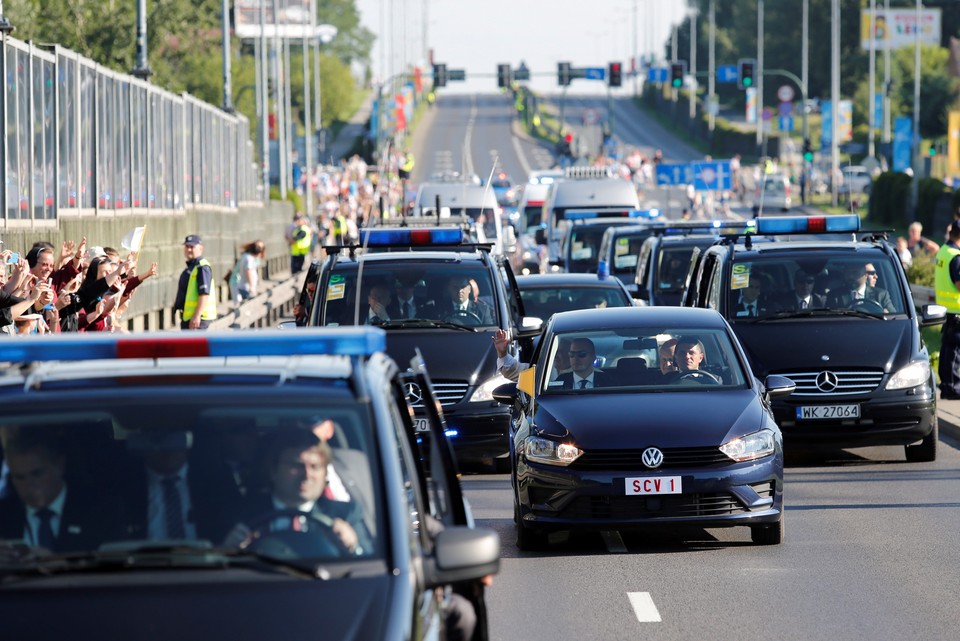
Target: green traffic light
pixel 677 82
pixel 808 157
pixel 933 150
pixel 747 82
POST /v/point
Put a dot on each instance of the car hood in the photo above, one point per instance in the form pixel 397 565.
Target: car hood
pixel 152 606
pixel 603 420
pixel 448 353
pixel 815 343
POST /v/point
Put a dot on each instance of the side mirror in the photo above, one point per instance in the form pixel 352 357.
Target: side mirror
pixel 462 553
pixel 932 315
pixel 505 394
pixel 779 386
pixel 530 326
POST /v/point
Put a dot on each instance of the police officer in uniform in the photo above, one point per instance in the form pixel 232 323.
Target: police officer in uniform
pixel 947 285
pixel 301 239
pixel 406 168
pixel 196 297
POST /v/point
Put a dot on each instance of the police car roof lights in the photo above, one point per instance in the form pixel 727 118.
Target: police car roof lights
pixel 573 214
pixel 707 226
pixel 808 224
pixel 422 237
pixel 352 341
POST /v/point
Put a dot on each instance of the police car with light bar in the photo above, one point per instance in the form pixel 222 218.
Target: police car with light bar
pixel 247 482
pixel 446 299
pixel 834 314
pixel 580 247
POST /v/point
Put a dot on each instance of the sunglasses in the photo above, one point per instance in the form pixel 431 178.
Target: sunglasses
pixel 871 273
pixel 578 354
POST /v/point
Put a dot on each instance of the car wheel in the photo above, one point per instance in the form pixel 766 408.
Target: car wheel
pixel 528 539
pixel 926 450
pixel 767 533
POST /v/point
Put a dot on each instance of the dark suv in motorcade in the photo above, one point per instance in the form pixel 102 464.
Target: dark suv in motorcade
pixel 834 315
pixel 444 297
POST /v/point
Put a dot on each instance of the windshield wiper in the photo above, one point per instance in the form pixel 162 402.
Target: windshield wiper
pixel 816 311
pixel 425 322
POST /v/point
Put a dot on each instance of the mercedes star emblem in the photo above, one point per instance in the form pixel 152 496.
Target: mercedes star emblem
pixel 827 382
pixel 413 393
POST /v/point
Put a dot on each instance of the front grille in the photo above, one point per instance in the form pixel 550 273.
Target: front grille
pixel 447 392
pixel 627 508
pixel 847 382
pixel 631 460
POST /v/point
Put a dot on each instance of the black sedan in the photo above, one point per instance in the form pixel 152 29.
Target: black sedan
pixel 546 294
pixel 609 437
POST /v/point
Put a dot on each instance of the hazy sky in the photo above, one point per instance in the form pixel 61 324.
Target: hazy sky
pixel 476 36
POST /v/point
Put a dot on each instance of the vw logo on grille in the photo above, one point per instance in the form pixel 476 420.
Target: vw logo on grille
pixel 413 393
pixel 827 381
pixel 652 457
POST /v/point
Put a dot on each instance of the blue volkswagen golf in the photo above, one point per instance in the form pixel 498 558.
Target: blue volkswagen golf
pixel 638 417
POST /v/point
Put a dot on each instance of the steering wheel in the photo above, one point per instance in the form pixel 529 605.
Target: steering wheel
pixel 317 538
pixel 463 315
pixel 700 376
pixel 869 306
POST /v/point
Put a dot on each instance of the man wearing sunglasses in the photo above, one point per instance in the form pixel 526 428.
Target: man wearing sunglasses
pixel 858 291
pixel 583 375
pixel 803 296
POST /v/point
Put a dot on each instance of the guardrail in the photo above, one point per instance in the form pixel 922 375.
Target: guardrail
pixel 922 295
pixel 265 309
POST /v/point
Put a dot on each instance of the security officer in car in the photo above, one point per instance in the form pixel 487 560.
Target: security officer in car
pixel 947 286
pixel 196 295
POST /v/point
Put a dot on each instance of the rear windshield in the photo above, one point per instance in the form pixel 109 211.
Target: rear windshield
pixel 821 282
pixel 543 303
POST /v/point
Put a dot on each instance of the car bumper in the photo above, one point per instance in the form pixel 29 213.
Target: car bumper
pixel 561 498
pixel 893 421
pixel 478 434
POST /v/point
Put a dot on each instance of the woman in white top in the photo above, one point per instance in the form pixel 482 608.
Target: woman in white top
pixel 245 276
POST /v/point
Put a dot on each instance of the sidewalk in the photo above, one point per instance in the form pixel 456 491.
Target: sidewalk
pixel 355 128
pixel 948 414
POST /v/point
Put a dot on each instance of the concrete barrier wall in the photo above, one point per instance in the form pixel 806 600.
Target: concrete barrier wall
pixel 224 232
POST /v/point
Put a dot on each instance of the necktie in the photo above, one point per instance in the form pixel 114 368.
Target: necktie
pixel 45 538
pixel 583 384
pixel 803 303
pixel 403 309
pixel 173 508
pixel 328 492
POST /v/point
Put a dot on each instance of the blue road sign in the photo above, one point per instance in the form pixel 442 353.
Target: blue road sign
pixel 657 74
pixel 674 174
pixel 711 176
pixel 727 73
pixel 786 123
pixel 902 142
pixel 594 73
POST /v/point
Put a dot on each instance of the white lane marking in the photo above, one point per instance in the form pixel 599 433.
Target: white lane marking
pixel 518 149
pixel 468 140
pixel 644 607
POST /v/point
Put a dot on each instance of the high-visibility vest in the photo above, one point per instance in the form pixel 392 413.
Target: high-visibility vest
pixel 301 246
pixel 408 163
pixel 209 311
pixel 947 293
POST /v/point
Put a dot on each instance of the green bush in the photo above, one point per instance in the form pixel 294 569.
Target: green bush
pixel 929 193
pixel 921 270
pixel 292 196
pixel 889 195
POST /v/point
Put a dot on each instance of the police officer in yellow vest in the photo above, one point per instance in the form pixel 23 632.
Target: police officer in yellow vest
pixel 196 297
pixel 406 167
pixel 947 285
pixel 301 239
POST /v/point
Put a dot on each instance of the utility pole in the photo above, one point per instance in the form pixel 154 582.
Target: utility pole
pixel 142 70
pixel 759 77
pixel 227 80
pixel 872 82
pixel 693 64
pixel 805 64
pixel 307 133
pixel 886 74
pixel 265 103
pixel 711 80
pixel 834 98
pixel 914 184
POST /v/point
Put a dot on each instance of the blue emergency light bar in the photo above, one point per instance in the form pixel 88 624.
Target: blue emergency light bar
pixel 617 213
pixel 347 341
pixel 717 226
pixel 404 236
pixel 808 224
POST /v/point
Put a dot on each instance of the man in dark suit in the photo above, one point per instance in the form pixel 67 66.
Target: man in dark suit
pixel 858 290
pixel 296 463
pixel 752 302
pixel 802 297
pixel 583 375
pixel 43 511
pixel 460 301
pixel 380 305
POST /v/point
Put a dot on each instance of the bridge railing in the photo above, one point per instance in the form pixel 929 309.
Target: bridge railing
pixel 81 139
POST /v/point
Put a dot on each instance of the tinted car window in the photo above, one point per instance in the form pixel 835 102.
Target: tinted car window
pixel 543 303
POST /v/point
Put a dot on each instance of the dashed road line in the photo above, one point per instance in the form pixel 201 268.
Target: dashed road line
pixel 644 607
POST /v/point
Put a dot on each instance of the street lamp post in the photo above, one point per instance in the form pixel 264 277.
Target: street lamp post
pixel 711 78
pixel 759 115
pixel 324 36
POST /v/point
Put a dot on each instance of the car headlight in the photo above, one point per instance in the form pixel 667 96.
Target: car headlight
pixel 751 446
pixel 916 373
pixel 485 391
pixel 544 450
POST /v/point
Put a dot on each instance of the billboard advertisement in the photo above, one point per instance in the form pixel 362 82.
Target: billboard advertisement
pixel 293 18
pixel 895 28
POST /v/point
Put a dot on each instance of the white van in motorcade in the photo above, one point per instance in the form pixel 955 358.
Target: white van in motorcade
pixel 531 257
pixel 467 199
pixel 584 188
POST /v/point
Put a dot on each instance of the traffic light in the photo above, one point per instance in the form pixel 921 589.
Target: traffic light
pixel 933 149
pixel 504 76
pixel 440 75
pixel 614 74
pixel 807 150
pixel 678 69
pixel 563 73
pixel 746 76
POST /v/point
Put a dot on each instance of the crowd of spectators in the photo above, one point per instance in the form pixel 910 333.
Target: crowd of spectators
pixel 73 288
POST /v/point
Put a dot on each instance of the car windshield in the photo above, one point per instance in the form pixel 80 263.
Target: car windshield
pixel 642 359
pixel 626 252
pixel 531 216
pixel 233 475
pixel 671 274
pixel 411 293
pixel 544 302
pixel 585 246
pixel 821 282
